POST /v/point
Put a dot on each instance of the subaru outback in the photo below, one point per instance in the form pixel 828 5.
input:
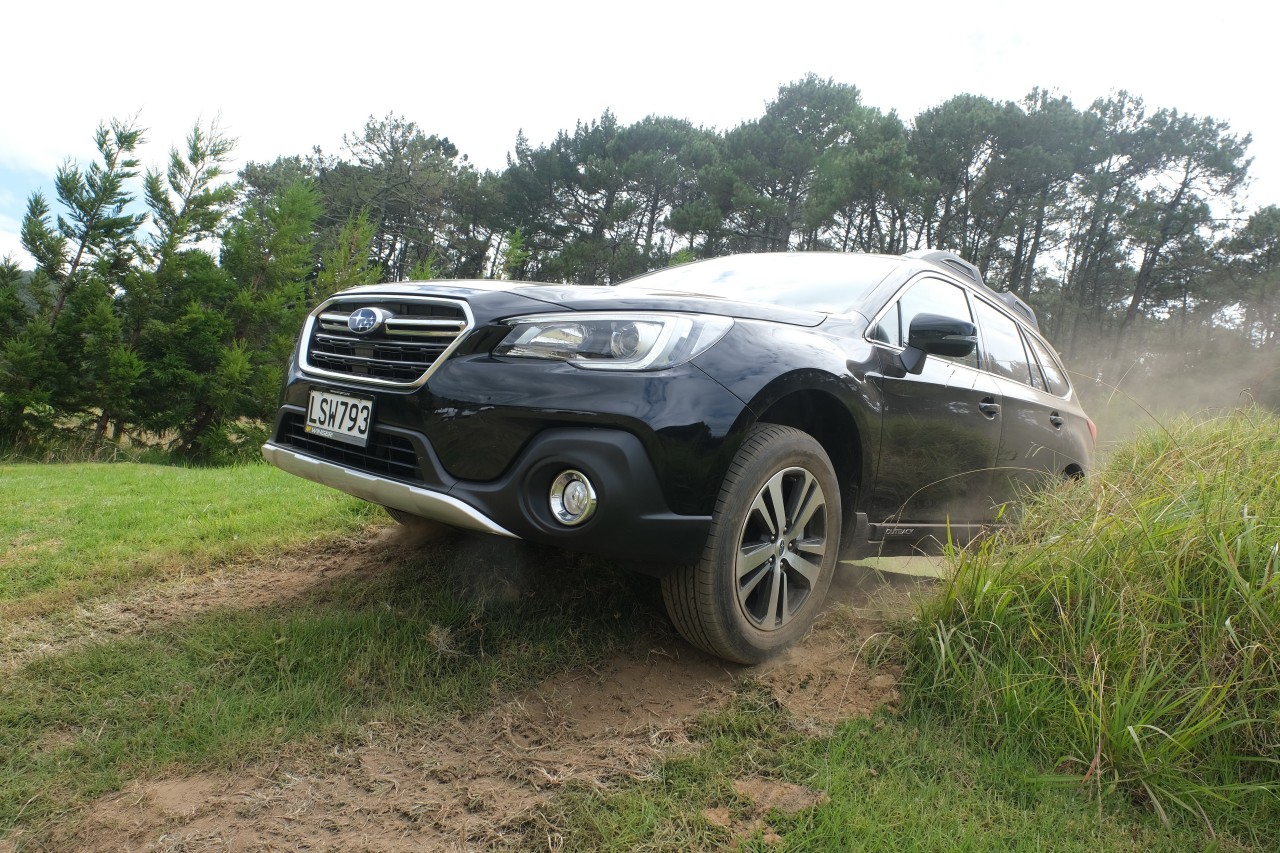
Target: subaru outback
pixel 734 426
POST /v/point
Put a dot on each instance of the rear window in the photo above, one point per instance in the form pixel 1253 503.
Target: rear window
pixel 1003 352
pixel 830 282
pixel 1055 377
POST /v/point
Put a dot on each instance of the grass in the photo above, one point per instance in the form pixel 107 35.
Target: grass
pixel 417 635
pixel 1105 678
pixel 1127 633
pixel 411 645
pixel 71 532
pixel 889 784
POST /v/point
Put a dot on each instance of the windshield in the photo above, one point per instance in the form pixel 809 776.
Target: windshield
pixel 831 282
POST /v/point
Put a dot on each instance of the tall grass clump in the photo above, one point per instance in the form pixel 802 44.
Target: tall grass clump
pixel 1127 629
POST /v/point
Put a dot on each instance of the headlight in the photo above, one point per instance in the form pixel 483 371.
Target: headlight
pixel 621 341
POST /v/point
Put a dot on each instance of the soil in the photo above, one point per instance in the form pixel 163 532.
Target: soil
pixel 476 783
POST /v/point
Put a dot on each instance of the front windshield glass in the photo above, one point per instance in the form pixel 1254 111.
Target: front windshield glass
pixel 831 282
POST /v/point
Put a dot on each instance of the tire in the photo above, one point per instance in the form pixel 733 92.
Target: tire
pixel 754 591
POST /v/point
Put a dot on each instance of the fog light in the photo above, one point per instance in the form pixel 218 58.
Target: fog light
pixel 573 499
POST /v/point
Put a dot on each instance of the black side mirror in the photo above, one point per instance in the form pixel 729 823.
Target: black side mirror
pixel 935 334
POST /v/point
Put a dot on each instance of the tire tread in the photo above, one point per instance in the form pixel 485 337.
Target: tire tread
pixel 689 591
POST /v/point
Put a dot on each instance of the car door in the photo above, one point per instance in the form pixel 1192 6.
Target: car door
pixel 940 429
pixel 1073 431
pixel 1031 436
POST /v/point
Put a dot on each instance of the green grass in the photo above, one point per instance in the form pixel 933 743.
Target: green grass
pixel 418 635
pixel 412 645
pixel 1128 631
pixel 891 784
pixel 70 532
pixel 1103 679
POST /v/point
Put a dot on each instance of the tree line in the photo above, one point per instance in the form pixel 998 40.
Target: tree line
pixel 173 314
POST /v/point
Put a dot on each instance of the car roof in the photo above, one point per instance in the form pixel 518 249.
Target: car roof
pixel 866 269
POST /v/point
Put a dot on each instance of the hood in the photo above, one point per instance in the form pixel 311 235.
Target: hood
pixel 590 298
pixel 496 299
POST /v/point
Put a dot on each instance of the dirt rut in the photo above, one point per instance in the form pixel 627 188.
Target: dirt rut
pixel 478 782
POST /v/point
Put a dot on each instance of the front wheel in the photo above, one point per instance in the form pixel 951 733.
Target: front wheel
pixel 771 552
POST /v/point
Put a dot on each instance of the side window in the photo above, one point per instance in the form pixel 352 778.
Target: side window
pixel 1054 376
pixel 1002 348
pixel 886 331
pixel 933 296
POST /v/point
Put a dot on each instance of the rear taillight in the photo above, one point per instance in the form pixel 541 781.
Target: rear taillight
pixel 1093 429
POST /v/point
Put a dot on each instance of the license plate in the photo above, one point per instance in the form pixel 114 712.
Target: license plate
pixel 340 417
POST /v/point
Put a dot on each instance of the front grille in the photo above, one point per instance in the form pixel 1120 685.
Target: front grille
pixel 400 352
pixel 386 454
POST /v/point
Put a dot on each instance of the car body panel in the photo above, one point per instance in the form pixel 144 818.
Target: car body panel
pixel 934 423
pixel 480 437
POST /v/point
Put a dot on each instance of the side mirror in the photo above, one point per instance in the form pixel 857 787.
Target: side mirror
pixel 935 334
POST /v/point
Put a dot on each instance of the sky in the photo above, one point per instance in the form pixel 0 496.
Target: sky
pixel 284 77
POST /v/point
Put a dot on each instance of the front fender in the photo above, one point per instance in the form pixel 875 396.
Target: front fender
pixel 813 380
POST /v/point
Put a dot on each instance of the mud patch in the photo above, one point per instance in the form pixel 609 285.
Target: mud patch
pixel 762 796
pixel 456 785
pixel 767 795
pixel 478 782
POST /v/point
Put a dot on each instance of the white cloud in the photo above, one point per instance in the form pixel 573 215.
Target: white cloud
pixel 11 245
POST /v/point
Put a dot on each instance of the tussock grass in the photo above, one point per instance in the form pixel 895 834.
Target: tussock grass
pixel 1127 631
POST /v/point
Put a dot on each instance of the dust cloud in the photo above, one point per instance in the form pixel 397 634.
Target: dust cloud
pixel 1146 388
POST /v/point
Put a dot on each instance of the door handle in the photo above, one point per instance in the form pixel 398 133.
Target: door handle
pixel 1057 420
pixel 989 407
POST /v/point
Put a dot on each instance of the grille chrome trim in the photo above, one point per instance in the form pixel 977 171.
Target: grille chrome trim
pixel 406 350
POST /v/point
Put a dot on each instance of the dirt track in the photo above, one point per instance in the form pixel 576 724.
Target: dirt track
pixel 478 782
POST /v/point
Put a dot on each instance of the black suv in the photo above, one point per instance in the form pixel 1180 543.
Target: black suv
pixel 734 426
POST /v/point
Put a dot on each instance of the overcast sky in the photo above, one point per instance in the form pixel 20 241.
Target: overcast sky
pixel 283 77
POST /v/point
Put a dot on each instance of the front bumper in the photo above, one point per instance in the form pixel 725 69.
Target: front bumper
pixel 632 522
pixel 412 499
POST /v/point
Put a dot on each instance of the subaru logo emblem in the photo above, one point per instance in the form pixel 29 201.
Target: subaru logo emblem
pixel 365 320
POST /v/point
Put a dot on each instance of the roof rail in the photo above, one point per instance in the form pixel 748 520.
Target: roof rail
pixel 950 260
pixel 953 262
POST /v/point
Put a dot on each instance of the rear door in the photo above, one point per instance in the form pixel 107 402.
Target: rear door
pixel 1032 446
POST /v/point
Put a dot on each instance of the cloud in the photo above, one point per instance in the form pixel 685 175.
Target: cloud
pixel 11 244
